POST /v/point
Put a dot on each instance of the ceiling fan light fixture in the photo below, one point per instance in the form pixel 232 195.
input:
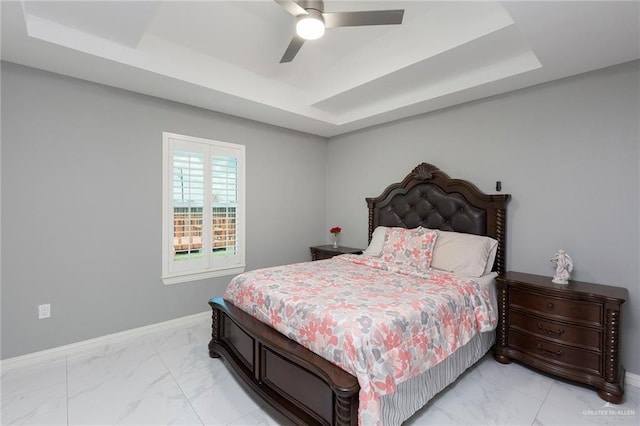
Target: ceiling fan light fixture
pixel 311 26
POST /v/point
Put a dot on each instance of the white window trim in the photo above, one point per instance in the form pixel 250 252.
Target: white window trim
pixel 211 271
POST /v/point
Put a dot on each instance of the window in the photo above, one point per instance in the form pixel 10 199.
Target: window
pixel 203 208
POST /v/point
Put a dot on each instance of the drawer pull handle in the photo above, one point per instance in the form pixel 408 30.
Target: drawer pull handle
pixel 550 353
pixel 550 332
pixel 550 306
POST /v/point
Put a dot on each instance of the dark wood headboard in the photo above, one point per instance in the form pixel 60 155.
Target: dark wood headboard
pixel 428 197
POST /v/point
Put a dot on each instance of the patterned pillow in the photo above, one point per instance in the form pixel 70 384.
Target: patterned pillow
pixel 409 247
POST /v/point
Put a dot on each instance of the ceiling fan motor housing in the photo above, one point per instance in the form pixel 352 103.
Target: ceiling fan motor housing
pixel 312 4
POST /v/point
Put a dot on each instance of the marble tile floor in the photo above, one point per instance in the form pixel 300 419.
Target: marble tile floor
pixel 167 378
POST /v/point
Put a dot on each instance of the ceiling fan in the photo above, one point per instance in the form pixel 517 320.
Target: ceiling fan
pixel 312 21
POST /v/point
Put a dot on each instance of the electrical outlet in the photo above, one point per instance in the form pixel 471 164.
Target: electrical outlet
pixel 44 311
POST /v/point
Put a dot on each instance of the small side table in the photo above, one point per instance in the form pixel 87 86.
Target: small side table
pixel 328 251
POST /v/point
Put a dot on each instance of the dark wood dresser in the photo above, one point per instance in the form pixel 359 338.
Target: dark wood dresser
pixel 568 330
pixel 328 251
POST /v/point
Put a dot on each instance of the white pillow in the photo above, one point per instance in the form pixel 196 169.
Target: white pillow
pixel 377 242
pixel 491 258
pixel 464 254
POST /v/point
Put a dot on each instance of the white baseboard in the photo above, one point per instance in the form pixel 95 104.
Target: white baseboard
pixel 61 351
pixel 632 379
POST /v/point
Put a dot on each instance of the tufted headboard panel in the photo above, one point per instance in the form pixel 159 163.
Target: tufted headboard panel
pixel 429 198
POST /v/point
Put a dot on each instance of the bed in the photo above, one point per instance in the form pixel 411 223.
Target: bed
pixel 306 388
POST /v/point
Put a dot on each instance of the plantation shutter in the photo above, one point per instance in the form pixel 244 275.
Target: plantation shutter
pixel 224 183
pixel 188 203
pixel 203 220
pixel 225 213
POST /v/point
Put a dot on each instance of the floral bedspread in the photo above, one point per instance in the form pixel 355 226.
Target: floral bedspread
pixel 378 321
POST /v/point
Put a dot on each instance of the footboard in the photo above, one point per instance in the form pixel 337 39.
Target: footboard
pixel 301 385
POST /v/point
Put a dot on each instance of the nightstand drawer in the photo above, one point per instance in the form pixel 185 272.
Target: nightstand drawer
pixel 587 338
pixel 556 308
pixel 327 252
pixel 321 255
pixel 565 356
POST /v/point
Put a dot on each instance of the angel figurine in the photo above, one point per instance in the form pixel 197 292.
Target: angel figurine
pixel 564 266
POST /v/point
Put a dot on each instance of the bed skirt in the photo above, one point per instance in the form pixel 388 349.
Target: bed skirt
pixel 413 394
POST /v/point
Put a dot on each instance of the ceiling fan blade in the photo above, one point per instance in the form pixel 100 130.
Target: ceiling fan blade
pixel 292 7
pixel 372 17
pixel 292 49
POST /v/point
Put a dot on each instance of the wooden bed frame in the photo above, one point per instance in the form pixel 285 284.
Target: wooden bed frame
pixel 304 387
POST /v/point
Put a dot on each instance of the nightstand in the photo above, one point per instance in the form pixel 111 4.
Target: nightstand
pixel 328 251
pixel 568 330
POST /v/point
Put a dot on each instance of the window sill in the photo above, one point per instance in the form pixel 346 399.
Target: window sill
pixel 196 276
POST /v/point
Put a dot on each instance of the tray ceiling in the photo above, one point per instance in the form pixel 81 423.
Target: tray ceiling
pixel 224 55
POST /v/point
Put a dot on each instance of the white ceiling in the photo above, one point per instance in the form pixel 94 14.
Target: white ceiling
pixel 224 55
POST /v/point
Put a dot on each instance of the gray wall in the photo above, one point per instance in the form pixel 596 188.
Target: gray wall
pixel 567 152
pixel 81 206
pixel 76 155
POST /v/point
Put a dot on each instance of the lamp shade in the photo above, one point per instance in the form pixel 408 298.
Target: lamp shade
pixel 311 26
